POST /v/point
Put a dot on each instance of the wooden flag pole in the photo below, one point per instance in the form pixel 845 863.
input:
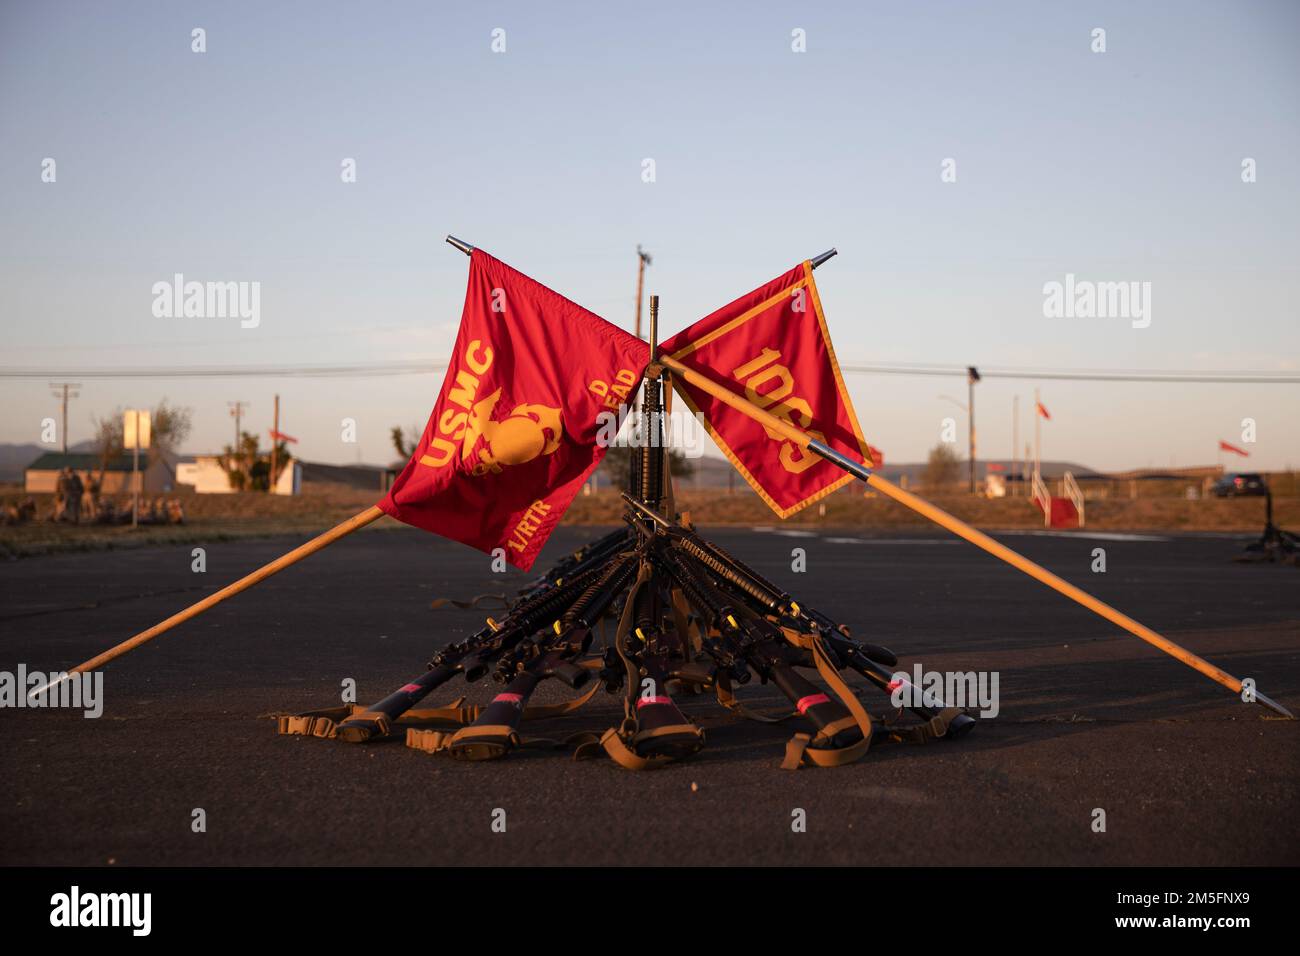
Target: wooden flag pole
pixel 963 530
pixel 243 584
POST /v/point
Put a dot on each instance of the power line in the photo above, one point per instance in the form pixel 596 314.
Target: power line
pixel 1087 375
pixel 239 371
pixel 369 370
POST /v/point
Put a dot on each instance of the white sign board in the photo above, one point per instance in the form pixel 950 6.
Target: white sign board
pixel 135 425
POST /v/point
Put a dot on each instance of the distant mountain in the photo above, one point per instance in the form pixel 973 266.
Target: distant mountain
pixel 15 458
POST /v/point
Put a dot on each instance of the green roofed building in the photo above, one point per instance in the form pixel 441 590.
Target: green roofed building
pixel 42 475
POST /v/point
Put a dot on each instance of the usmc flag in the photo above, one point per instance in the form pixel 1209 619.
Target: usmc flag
pixel 512 436
pixel 772 347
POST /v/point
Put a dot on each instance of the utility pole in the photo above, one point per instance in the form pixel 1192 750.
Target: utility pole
pixel 972 376
pixel 237 413
pixel 1015 436
pixel 64 394
pixel 643 260
pixel 275 445
pixel 1038 432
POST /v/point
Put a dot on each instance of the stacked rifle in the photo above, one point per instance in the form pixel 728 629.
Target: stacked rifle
pixel 686 617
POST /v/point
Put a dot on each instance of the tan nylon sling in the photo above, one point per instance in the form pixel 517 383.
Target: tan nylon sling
pixel 324 723
pixel 931 730
pixel 611 741
pixel 800 750
pixel 728 699
pixel 433 741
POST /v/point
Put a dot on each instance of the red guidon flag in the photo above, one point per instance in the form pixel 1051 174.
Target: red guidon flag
pixel 1224 446
pixel 772 347
pixel 512 436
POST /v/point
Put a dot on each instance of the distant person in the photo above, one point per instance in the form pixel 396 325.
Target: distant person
pixel 92 489
pixel 89 498
pixel 75 489
pixel 61 495
pixel 175 512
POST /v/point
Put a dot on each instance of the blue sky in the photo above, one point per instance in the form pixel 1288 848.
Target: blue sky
pixel 225 165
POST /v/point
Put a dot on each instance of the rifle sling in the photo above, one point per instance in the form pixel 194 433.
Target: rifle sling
pixel 324 723
pixel 808 748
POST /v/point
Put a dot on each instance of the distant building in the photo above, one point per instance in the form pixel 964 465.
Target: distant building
pixel 207 475
pixel 42 475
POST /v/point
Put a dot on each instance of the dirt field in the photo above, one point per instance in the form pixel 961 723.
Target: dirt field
pixel 230 517
pixel 844 510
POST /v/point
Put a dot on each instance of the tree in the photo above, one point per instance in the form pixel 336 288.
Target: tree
pixel 405 448
pixel 170 426
pixel 941 468
pixel 247 467
pixel 108 441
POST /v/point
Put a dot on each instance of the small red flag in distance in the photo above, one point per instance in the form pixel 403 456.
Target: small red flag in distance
pixel 513 433
pixel 1042 410
pixel 772 347
pixel 1224 446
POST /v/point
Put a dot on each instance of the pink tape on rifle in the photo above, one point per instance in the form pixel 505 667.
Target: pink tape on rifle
pixel 508 698
pixel 812 700
pixel 643 701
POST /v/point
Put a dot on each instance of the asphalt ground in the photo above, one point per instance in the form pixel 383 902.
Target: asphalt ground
pixel 1090 718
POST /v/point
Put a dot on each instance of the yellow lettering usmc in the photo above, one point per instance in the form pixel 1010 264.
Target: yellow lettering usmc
pixel 478 359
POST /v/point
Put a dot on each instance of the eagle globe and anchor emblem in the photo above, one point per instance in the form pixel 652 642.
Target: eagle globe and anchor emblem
pixel 529 431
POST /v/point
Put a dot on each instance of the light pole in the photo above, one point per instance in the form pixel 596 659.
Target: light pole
pixel 972 376
pixel 1015 434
